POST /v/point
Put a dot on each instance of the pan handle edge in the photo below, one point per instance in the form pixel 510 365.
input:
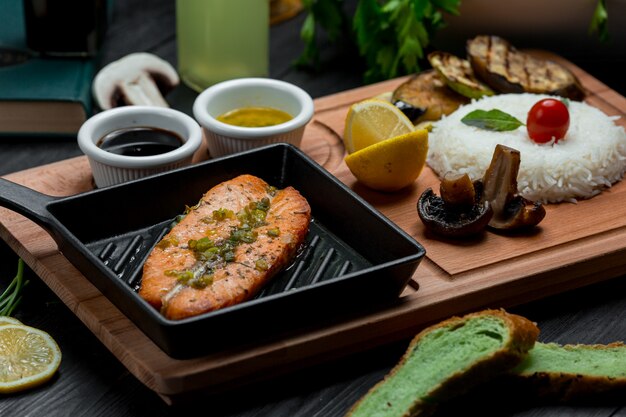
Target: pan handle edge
pixel 25 201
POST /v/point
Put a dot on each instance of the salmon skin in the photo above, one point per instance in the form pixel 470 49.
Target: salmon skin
pixel 241 234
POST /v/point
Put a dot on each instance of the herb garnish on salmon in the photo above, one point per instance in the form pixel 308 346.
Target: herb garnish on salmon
pixel 240 234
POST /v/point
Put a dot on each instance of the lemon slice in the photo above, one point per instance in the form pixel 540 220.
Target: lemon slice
pixel 28 357
pixel 4 320
pixel 371 121
pixel 391 164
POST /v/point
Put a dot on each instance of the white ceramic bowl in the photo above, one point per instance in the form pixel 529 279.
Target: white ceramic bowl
pixel 224 139
pixel 110 168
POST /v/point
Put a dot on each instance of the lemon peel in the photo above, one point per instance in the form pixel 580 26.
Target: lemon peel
pixel 392 164
pixel 4 320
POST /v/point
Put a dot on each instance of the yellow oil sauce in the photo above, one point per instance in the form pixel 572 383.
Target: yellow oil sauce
pixel 255 117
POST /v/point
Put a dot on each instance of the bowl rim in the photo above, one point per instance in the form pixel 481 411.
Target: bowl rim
pixel 89 147
pixel 212 124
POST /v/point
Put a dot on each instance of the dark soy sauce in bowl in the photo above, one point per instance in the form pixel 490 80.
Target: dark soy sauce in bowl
pixel 140 141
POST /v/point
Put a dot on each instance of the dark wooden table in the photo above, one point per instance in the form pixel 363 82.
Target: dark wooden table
pixel 92 382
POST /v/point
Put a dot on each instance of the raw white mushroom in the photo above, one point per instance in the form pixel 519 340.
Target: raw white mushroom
pixel 139 78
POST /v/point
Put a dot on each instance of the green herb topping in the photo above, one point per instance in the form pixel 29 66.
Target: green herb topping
pixel 223 214
pixel 189 209
pixel 271 190
pixel 495 120
pixel 275 232
pixel 167 242
pixel 189 278
pixel 261 265
pixel 212 255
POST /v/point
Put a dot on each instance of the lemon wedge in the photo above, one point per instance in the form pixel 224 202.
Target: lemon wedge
pixel 371 121
pixel 391 164
pixel 28 357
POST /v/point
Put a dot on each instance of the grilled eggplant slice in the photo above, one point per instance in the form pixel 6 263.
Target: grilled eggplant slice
pixel 458 75
pixel 425 97
pixel 507 70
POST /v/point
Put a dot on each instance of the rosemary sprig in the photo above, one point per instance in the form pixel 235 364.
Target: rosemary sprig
pixel 11 296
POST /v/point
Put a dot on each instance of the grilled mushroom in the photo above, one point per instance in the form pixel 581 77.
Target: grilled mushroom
pixel 138 78
pixel 458 212
pixel 510 211
pixel 457 190
pixel 466 208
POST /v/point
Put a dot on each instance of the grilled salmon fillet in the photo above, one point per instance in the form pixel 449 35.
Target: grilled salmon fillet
pixel 240 234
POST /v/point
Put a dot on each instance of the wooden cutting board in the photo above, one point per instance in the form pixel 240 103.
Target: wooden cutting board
pixel 576 245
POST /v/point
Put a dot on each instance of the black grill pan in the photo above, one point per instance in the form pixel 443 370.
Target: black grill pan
pixel 354 256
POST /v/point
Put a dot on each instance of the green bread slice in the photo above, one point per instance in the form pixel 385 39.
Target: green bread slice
pixel 447 359
pixel 572 371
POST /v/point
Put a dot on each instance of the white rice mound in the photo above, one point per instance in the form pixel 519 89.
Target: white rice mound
pixel 591 157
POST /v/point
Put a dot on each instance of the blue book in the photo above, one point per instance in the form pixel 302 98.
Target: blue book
pixel 39 95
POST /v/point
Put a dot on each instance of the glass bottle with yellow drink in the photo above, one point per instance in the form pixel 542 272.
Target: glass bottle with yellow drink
pixel 219 40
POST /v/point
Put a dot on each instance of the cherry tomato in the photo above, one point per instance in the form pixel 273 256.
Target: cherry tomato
pixel 547 119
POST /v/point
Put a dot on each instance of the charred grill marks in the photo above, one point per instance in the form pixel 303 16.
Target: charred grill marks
pixel 507 70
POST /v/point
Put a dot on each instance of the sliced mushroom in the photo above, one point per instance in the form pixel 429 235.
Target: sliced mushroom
pixel 139 78
pixel 458 212
pixel 510 211
pixel 519 213
pixel 457 190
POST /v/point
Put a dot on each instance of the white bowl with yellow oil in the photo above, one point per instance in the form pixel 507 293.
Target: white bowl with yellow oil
pixel 255 101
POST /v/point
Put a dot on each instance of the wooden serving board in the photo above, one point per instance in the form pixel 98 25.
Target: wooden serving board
pixel 576 245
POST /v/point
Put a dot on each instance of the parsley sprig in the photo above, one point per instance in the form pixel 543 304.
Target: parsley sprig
pixel 391 35
pixel 327 15
pixel 599 21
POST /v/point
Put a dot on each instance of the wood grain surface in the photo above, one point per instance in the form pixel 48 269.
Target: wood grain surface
pixel 567 252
